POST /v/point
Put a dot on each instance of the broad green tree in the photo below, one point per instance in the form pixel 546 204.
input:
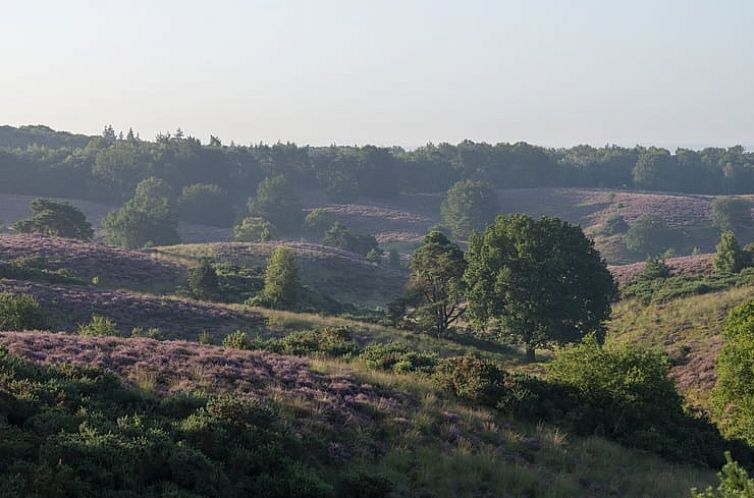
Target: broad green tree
pixel 437 268
pixel 468 206
pixel 141 222
pixel 541 281
pixel 57 219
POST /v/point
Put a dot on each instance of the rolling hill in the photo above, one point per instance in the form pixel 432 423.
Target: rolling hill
pixel 342 275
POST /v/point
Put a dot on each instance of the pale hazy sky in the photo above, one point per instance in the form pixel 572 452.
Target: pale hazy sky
pixel 671 72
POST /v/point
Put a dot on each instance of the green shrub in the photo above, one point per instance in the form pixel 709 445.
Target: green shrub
pixel 734 483
pixel 20 312
pixel 654 268
pixel 327 341
pixel 396 357
pixel 202 280
pixel 237 340
pixel 205 337
pixel 471 378
pixel 99 326
pixel 151 333
pixel 254 229
pixel 680 286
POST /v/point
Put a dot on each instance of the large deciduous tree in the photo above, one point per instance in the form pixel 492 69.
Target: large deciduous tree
pixel 437 269
pixel 541 281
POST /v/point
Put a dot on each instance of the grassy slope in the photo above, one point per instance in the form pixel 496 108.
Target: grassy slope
pixel 424 440
pixel 345 276
pixel 688 328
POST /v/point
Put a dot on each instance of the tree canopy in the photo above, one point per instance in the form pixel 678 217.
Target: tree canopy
pixel 59 219
pixel 541 281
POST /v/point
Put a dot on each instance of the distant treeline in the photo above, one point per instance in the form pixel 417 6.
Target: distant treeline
pixel 39 161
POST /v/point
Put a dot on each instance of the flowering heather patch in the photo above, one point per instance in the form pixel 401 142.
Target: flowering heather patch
pixel 68 306
pixel 343 275
pixel 177 366
pixel 111 265
pixel 700 264
pixel 589 207
pixel 381 221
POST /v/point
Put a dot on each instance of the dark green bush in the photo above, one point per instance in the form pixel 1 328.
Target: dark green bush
pixel 99 326
pixel 364 484
pixel 471 378
pixel 69 431
pixel 20 312
pixel 662 290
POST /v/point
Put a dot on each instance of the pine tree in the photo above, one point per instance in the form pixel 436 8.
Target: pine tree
pixel 202 280
pixel 281 283
pixel 729 257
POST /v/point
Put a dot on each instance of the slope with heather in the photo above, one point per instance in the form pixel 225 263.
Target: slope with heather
pixel 67 306
pixel 341 275
pixel 425 442
pixel 111 266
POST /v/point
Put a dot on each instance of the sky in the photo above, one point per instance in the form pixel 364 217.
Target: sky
pixel 386 72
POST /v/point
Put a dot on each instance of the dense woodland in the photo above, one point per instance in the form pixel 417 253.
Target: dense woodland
pixel 36 160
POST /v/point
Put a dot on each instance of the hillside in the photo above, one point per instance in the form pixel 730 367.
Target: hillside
pixel 342 275
pixel 113 267
pixel 67 306
pixel 700 264
pixel 395 423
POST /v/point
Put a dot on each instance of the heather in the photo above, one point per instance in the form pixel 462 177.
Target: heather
pixel 65 307
pixel 86 260
pixel 169 413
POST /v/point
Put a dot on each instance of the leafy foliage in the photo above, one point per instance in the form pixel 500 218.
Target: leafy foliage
pixel 140 222
pixel 471 378
pixel 614 225
pixel 108 440
pixel 58 219
pixel 541 281
pixel 20 312
pixel 398 358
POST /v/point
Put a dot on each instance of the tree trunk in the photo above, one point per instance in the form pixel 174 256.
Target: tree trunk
pixel 530 355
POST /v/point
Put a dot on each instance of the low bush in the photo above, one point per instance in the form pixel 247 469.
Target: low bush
pixel 20 312
pixel 108 440
pixel 99 326
pixel 471 378
pixel 660 290
pixel 396 357
pixel 151 333
pixel 328 341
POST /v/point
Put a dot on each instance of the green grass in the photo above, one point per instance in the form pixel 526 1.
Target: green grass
pixel 453 449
